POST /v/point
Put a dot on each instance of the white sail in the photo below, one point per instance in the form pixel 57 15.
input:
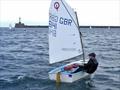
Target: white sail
pixel 10 26
pixel 64 38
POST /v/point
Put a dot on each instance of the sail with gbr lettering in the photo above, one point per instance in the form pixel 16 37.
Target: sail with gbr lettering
pixel 64 37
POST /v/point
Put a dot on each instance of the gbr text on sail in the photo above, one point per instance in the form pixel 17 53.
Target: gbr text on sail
pixel 53 20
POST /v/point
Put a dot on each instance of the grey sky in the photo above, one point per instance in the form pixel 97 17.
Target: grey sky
pixel 35 12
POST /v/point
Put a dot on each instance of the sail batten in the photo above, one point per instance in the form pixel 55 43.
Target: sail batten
pixel 64 38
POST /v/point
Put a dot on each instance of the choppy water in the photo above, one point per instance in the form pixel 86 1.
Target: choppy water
pixel 24 60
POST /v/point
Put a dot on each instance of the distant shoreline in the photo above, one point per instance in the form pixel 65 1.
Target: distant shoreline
pixel 22 25
pixel 99 26
pixel 79 26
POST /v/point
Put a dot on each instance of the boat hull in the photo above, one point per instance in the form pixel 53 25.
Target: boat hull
pixel 66 76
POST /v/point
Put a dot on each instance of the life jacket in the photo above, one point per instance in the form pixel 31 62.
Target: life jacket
pixel 92 66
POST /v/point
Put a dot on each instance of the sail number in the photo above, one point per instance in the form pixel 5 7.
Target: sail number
pixel 65 21
pixel 54 19
pixel 53 23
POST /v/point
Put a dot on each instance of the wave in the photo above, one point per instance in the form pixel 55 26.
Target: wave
pixel 20 79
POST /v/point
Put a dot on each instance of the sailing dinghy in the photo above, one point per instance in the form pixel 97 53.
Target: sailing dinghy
pixel 64 41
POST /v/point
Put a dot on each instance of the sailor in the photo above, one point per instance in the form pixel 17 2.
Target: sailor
pixel 91 66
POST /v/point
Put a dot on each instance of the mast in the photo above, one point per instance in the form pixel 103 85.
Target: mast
pixel 80 37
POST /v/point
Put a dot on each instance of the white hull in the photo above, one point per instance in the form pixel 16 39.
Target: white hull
pixel 66 76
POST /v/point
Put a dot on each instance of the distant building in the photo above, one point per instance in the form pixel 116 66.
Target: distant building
pixel 22 25
pixel 19 24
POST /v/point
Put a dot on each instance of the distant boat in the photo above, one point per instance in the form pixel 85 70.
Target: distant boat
pixel 65 42
pixel 90 27
pixel 10 27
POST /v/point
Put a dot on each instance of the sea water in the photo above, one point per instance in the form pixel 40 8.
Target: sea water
pixel 24 59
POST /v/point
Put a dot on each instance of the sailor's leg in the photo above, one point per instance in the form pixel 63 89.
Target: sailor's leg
pixel 81 68
pixel 90 82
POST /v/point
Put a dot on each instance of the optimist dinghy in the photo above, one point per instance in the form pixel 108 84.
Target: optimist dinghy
pixel 65 42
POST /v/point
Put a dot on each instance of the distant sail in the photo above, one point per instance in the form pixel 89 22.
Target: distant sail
pixel 10 26
pixel 64 38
